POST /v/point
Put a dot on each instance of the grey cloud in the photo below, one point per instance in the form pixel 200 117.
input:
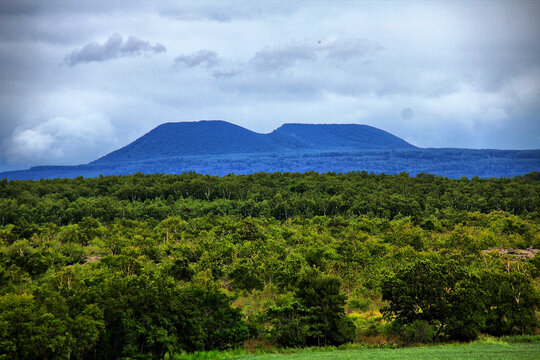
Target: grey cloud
pixel 206 57
pixel 114 47
pixel 33 7
pixel 282 58
pixel 16 7
pixel 407 113
pixel 227 11
pixel 135 45
pixel 20 29
pixel 350 48
pixel 288 56
pixel 219 15
pixel 226 74
pixel 62 22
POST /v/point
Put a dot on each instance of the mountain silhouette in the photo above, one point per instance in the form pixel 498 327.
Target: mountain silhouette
pixel 221 148
pixel 221 137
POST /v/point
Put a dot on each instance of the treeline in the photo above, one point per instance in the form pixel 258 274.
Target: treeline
pixel 144 265
pixel 277 195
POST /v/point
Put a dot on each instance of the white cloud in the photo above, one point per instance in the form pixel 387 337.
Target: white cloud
pixel 61 140
pixel 31 143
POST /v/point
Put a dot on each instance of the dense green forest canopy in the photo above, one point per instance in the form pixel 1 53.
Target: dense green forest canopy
pixel 276 195
pixel 143 265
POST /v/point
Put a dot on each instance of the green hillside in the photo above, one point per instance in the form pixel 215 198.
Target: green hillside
pixel 141 266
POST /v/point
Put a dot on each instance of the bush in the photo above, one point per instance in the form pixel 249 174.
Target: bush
pixel 289 325
pixel 420 331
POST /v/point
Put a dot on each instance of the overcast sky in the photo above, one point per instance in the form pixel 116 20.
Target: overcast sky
pixel 80 79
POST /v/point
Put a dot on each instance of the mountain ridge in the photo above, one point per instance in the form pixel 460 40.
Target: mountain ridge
pixel 348 135
pixel 220 137
pixel 217 147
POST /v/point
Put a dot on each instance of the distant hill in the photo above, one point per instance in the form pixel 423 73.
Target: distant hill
pixel 220 148
pixel 220 137
pixel 330 136
pixel 191 138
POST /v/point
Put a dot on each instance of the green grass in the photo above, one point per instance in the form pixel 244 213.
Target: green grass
pixel 443 352
pixel 477 351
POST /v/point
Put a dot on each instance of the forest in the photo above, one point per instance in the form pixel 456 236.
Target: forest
pixel 452 163
pixel 140 266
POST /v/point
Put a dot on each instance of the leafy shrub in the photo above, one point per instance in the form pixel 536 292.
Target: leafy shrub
pixel 420 331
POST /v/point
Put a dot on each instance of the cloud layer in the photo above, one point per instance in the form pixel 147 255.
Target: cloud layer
pixel 445 74
pixel 340 50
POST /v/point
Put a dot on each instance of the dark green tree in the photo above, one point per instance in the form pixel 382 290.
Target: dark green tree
pixel 289 324
pixel 321 295
pixel 444 294
pixel 511 303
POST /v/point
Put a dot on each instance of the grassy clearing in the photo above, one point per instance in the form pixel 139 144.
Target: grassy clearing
pixel 450 352
pixel 485 349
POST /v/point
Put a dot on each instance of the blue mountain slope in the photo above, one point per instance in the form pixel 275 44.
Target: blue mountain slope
pixel 323 136
pixel 191 138
pixel 220 148
pixel 220 137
